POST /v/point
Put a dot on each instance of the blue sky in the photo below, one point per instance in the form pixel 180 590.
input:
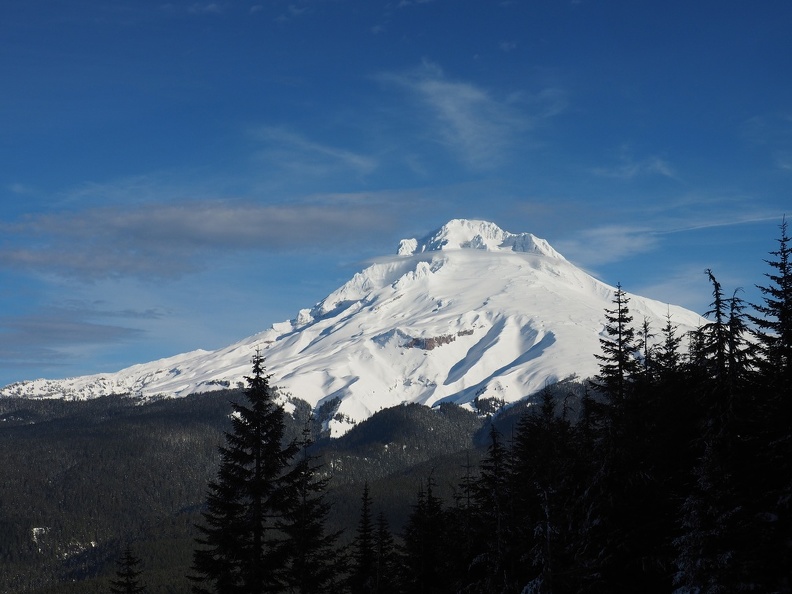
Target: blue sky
pixel 180 175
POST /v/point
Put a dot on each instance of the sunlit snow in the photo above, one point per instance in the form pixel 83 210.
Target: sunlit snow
pixel 470 310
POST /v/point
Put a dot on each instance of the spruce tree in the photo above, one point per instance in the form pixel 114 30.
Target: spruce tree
pixel 618 362
pixel 384 557
pixel 128 575
pixel 311 562
pixel 771 417
pixel 362 575
pixel 774 322
pixel 240 546
pixel 491 569
pixel 545 493
pixel 620 541
pixel 423 563
pixel 667 356
pixel 715 335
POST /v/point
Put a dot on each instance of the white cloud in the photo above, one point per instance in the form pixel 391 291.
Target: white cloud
pixel 607 244
pixel 469 120
pixel 629 168
pixel 684 285
pixel 293 151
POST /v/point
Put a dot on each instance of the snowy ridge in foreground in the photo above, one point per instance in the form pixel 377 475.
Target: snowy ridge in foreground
pixel 470 310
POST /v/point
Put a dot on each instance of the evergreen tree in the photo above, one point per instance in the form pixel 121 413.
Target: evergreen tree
pixel 424 563
pixel 667 356
pixel 492 567
pixel 362 576
pixel 717 516
pixel 618 362
pixel 240 546
pixel 545 491
pixel 645 347
pixel 715 335
pixel 384 558
pixel 620 543
pixel 311 563
pixel 128 575
pixel 771 418
pixel 774 322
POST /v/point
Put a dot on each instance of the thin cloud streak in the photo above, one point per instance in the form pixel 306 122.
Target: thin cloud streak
pixel 608 244
pixel 630 168
pixel 469 120
pixel 293 151
pixel 170 240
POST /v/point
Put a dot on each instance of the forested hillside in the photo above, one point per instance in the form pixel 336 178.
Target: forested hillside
pixel 82 479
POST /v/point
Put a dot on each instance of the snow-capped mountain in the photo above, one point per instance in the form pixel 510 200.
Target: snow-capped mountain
pixel 470 310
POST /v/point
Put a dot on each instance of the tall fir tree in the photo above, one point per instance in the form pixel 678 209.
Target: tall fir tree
pixel 424 561
pixel 362 574
pixel 715 334
pixel 618 361
pixel 771 417
pixel 128 574
pixel 240 547
pixel 545 475
pixel 619 542
pixel 384 557
pixel 774 320
pixel 492 567
pixel 311 561
pixel 667 355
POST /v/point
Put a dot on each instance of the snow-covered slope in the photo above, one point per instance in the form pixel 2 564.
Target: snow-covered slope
pixel 470 310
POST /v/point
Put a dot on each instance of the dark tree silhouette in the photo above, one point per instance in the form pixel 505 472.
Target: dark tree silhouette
pixel 384 558
pixel 618 362
pixel 127 575
pixel 240 545
pixel 311 561
pixel 362 576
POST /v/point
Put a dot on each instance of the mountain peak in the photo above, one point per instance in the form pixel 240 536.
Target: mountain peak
pixel 476 234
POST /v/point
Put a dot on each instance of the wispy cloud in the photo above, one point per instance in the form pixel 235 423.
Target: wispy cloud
pixel 50 333
pixel 293 11
pixel 170 240
pixel 628 167
pixel 405 3
pixel 20 189
pixel 607 244
pixel 683 285
pixel 471 121
pixel 773 133
pixel 292 151
pixel 205 8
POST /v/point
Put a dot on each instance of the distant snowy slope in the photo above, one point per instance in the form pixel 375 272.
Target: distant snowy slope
pixel 470 310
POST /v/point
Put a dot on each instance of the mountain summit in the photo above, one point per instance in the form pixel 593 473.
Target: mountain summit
pixel 468 311
pixel 480 235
